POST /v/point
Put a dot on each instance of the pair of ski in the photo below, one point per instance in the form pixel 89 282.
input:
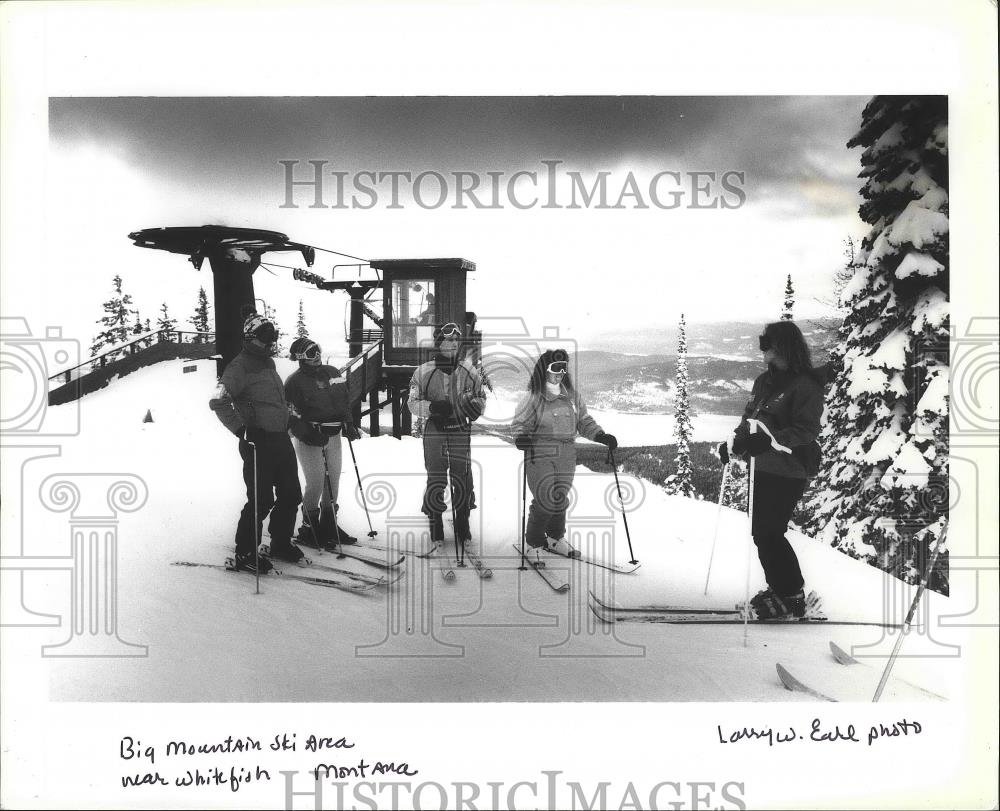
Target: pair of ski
pixel 438 553
pixel 861 674
pixel 556 580
pixel 372 554
pixel 608 613
pixel 342 579
pixel 447 564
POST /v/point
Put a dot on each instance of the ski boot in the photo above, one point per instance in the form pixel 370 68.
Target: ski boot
pixel 309 533
pixel 332 533
pixel 248 562
pixel 286 551
pixel 771 606
pixel 562 547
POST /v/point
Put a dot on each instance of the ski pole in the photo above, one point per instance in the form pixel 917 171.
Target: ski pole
pixel 371 532
pixel 928 571
pixel 256 524
pixel 746 604
pixel 524 508
pixel 718 519
pixel 328 488
pixel 450 481
pixel 614 467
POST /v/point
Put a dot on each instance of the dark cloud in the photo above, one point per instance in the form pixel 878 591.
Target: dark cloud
pixel 784 144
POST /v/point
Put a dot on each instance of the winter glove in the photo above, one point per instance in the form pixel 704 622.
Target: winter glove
pixel 523 442
pixel 607 439
pixel 758 443
pixel 440 408
pixel 724 453
pixel 351 431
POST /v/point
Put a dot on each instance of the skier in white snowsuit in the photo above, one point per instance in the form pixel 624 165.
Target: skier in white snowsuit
pixel 447 393
pixel 546 423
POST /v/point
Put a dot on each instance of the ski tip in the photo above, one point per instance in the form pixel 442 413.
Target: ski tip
pixel 842 655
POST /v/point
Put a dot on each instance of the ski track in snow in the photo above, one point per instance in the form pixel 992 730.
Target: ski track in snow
pixel 211 638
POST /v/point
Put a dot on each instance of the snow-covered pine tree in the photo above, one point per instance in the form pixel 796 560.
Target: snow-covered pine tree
pixel 300 323
pixel 681 482
pixel 165 324
pixel 200 318
pixel 735 494
pixel 137 328
pixel 789 306
pixel 114 321
pixel 883 487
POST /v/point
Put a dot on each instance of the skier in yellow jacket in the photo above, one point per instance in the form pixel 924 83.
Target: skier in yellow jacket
pixel 546 423
pixel 447 393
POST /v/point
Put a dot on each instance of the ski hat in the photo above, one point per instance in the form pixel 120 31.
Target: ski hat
pixel 257 327
pixel 449 330
pixel 305 350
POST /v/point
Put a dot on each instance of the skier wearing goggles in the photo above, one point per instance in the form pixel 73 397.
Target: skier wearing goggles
pixel 787 404
pixel 546 423
pixel 251 403
pixel 447 394
pixel 319 414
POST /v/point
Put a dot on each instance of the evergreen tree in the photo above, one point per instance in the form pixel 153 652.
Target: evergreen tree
pixel 682 482
pixel 137 327
pixel 735 494
pixel 881 494
pixel 165 324
pixel 300 323
pixel 786 312
pixel 115 320
pixel 200 318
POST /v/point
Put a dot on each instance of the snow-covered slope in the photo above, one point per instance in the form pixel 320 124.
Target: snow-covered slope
pixel 211 638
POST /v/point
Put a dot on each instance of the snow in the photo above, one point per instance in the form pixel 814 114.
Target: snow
pixel 918 264
pixel 909 469
pixel 930 311
pixel 211 638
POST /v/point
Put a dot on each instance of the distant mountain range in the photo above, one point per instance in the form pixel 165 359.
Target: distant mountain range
pixel 723 360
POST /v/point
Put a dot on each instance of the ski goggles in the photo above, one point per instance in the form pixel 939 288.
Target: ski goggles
pixel 310 352
pixel 450 330
pixel 765 342
pixel 558 367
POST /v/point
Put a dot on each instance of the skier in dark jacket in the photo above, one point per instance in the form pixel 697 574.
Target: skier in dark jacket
pixel 546 424
pixel 447 393
pixel 320 414
pixel 250 402
pixel 787 403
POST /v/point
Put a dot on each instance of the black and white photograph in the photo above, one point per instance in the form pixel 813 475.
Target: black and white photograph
pixel 381 430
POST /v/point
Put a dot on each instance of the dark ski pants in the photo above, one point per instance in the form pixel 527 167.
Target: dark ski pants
pixel 278 492
pixel 550 470
pixel 774 500
pixel 442 447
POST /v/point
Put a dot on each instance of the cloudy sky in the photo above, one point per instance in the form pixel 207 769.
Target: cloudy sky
pixel 116 165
